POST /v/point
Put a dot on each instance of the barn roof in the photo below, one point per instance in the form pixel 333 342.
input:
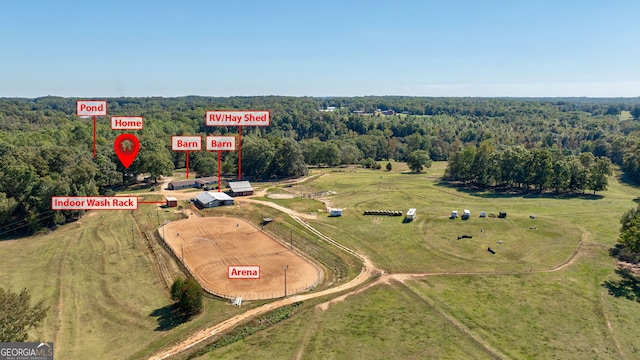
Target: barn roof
pixel 207 180
pixel 209 196
pixel 182 182
pixel 171 198
pixel 240 186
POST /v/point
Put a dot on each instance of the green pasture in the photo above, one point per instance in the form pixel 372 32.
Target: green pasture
pixel 100 281
pixel 383 322
pixel 541 231
pixel 107 297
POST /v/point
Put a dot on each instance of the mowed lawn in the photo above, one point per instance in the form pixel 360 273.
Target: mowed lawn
pixel 106 298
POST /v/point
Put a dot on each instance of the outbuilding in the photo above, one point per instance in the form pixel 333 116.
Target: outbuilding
pixel 206 181
pixel 411 214
pixel 171 201
pixel 209 199
pixel 240 188
pixel 454 214
pixel 335 212
pixel 466 214
pixel 181 184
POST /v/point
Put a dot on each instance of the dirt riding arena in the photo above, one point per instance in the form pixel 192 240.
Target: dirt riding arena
pixel 212 244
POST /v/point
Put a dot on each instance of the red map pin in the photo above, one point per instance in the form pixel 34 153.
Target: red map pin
pixel 126 147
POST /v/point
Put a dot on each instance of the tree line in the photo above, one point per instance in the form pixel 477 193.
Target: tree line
pixel 515 167
pixel 46 150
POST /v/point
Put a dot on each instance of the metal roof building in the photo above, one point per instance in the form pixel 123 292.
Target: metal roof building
pixel 209 199
pixel 240 188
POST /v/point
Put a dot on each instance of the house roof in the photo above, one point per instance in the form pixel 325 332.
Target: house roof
pixel 209 196
pixel 171 198
pixel 240 186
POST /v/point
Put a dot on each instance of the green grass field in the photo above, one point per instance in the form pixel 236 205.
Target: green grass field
pixel 533 312
pixel 107 297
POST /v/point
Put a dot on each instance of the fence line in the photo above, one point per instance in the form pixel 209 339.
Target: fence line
pixel 252 295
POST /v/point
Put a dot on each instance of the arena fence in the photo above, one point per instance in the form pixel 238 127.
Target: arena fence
pixel 251 295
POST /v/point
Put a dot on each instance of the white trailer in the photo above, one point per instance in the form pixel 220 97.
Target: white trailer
pixel 466 214
pixel 335 212
pixel 411 214
pixel 454 214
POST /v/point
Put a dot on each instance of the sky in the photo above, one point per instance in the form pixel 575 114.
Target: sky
pixel 145 48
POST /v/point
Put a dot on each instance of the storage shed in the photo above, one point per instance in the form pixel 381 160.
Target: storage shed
pixel 240 188
pixel 171 201
pixel 335 212
pixel 466 214
pixel 454 214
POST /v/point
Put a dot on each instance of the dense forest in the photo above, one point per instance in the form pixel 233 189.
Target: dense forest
pixel 558 144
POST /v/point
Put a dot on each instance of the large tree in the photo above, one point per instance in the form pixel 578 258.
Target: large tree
pixel 630 232
pixel 188 294
pixel 635 112
pixel 418 160
pixel 17 316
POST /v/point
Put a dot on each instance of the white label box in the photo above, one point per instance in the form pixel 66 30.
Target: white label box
pixel 94 203
pixel 221 143
pixel 244 272
pixel 91 107
pixel 186 143
pixel 126 122
pixel 237 118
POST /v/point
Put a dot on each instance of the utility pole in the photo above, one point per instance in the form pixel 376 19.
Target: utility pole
pixel 182 250
pixel 158 213
pixel 285 279
pixel 133 239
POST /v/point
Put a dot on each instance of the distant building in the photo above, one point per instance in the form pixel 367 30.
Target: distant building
pixel 206 181
pixel 329 109
pixel 171 201
pixel 181 184
pixel 389 112
pixel 209 199
pixel 240 188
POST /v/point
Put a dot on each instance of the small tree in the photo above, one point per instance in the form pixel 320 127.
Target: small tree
pixel 190 300
pixel 636 113
pixel 418 160
pixel 389 166
pixel 176 289
pixel 16 316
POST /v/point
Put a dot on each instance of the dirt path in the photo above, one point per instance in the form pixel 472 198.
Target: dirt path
pixel 285 210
